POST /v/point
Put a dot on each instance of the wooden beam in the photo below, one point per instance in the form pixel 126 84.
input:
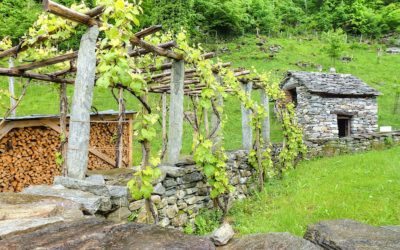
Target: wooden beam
pixel 19 48
pixel 148 31
pixel 35 76
pixel 67 13
pixel 140 52
pixel 159 51
pixel 48 62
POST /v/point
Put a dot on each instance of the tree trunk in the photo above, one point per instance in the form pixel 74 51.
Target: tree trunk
pixel 120 144
pixel 79 128
pixel 63 125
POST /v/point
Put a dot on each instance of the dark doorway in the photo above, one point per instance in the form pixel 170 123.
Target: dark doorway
pixel 293 96
pixel 344 126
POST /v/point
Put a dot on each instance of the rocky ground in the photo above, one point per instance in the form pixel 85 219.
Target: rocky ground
pixel 42 222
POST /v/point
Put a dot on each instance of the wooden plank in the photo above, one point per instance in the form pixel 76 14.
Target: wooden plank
pixel 247 135
pixel 79 128
pixel 176 112
pixel 5 129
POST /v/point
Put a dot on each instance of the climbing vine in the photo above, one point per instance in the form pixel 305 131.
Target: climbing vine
pixel 118 24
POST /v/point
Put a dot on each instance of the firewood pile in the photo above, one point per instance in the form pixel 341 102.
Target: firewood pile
pixel 28 155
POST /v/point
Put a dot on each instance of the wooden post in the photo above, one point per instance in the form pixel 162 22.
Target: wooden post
pixel 247 137
pixel 63 126
pixel 215 121
pixel 164 124
pixel 266 128
pixel 11 87
pixel 176 112
pixel 120 134
pixel 79 125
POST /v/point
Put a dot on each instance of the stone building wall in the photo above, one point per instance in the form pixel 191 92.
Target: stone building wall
pixel 318 114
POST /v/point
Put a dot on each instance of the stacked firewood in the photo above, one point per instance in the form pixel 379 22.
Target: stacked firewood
pixel 28 155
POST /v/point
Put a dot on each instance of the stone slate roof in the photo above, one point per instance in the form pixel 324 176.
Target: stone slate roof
pixel 331 84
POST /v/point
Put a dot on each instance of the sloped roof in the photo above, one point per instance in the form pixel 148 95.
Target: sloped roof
pixel 331 84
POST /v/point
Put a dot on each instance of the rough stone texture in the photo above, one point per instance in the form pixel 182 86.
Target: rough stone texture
pixel 86 186
pixel 119 195
pixel 100 234
pixel 223 234
pixel 393 228
pixel 96 179
pixel 20 206
pixel 271 241
pixel 321 98
pixel 349 234
pixel 121 214
pixel 9 228
pixel 91 203
pixel 393 50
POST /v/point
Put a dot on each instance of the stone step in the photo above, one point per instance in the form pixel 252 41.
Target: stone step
pixel 91 202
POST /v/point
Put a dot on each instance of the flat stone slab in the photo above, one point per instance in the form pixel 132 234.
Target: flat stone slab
pixel 101 234
pixel 91 203
pixel 9 228
pixel 23 206
pixel 270 241
pixel 349 234
pixel 86 186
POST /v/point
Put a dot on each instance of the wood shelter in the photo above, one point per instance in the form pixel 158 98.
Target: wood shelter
pixel 29 146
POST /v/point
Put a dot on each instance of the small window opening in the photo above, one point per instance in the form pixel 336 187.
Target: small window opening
pixel 293 96
pixel 344 126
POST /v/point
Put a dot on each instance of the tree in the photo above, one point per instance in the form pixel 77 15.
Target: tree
pixel 335 43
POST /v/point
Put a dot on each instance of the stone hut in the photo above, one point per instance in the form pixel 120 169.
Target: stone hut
pixel 330 106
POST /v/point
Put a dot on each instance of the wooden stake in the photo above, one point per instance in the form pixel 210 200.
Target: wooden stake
pixel 216 120
pixel 63 125
pixel 11 87
pixel 247 137
pixel 176 112
pixel 120 144
pixel 164 125
pixel 79 129
pixel 266 128
pixel 62 11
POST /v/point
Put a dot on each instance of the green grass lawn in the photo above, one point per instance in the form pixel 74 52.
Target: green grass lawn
pixel 363 187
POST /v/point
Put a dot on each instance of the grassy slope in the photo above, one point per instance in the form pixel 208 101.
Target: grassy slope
pixel 364 187
pixel 384 76
pixel 43 99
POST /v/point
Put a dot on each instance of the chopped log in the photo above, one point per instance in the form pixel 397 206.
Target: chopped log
pixel 176 112
pixel 62 11
pixel 77 154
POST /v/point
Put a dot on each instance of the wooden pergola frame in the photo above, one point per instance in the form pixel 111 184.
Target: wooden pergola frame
pixel 169 78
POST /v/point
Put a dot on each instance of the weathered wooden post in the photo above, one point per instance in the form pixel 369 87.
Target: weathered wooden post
pixel 11 87
pixel 266 129
pixel 79 125
pixel 164 124
pixel 63 125
pixel 176 112
pixel 247 137
pixel 216 122
pixel 120 141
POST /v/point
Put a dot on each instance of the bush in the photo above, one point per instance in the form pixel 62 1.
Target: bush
pixel 207 221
